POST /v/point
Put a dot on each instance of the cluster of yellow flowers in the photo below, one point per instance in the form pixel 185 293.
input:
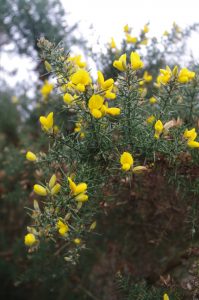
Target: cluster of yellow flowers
pixel 136 62
pixel 190 136
pixel 183 76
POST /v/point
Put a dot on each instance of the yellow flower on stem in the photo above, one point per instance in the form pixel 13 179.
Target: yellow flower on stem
pixel 126 161
pixel 136 62
pixel 81 79
pixel 146 28
pixel 113 111
pixel 95 105
pixel 190 135
pixel 130 39
pixel 152 100
pixel 54 187
pixel 29 239
pixel 47 122
pixel 46 89
pixel 139 169
pixel 165 75
pixel 112 44
pixel 159 127
pixel 165 297
pixel 68 98
pixel 185 75
pixel 126 28
pixel 147 77
pixel 77 241
pixel 62 228
pixel 77 60
pixel 120 64
pixel 31 156
pixel 78 190
pixel 40 190
pixel 104 84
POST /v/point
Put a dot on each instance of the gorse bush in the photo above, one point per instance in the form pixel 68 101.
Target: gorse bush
pixel 104 135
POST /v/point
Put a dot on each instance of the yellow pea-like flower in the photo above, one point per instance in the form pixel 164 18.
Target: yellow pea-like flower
pixel 31 156
pixel 77 241
pixel 62 228
pixel 153 100
pixel 136 62
pixel 47 122
pixel 193 144
pixel 46 89
pixel 121 63
pixel 130 39
pixel 139 169
pixel 113 44
pixel 126 160
pixel 29 239
pixel 56 188
pixel 113 111
pixel 68 98
pixel 185 75
pixel 190 135
pixel 48 66
pixel 146 28
pixel 159 127
pixel 147 77
pixel 52 181
pixel 165 76
pixel 81 79
pixel 78 190
pixel 126 28
pixel 165 297
pixel 40 190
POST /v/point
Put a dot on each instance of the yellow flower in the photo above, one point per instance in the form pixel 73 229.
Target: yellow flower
pixel 146 28
pixel 121 63
pixel 78 128
pixel 81 79
pixel 193 144
pixel 126 161
pixel 113 111
pixel 158 129
pixel 165 75
pixel 126 28
pixel 46 89
pixel 165 297
pixel 150 119
pixel 139 169
pixel 185 76
pixel 47 122
pixel 95 105
pixel 40 190
pixel 29 239
pixel 113 44
pixel 31 156
pixel 54 187
pixel 104 84
pixel 62 228
pixel 77 60
pixel 77 241
pixel 190 135
pixel 68 98
pixel 78 190
pixel 130 39
pixel 136 62
pixel 47 66
pixel 152 100
pixel 147 77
